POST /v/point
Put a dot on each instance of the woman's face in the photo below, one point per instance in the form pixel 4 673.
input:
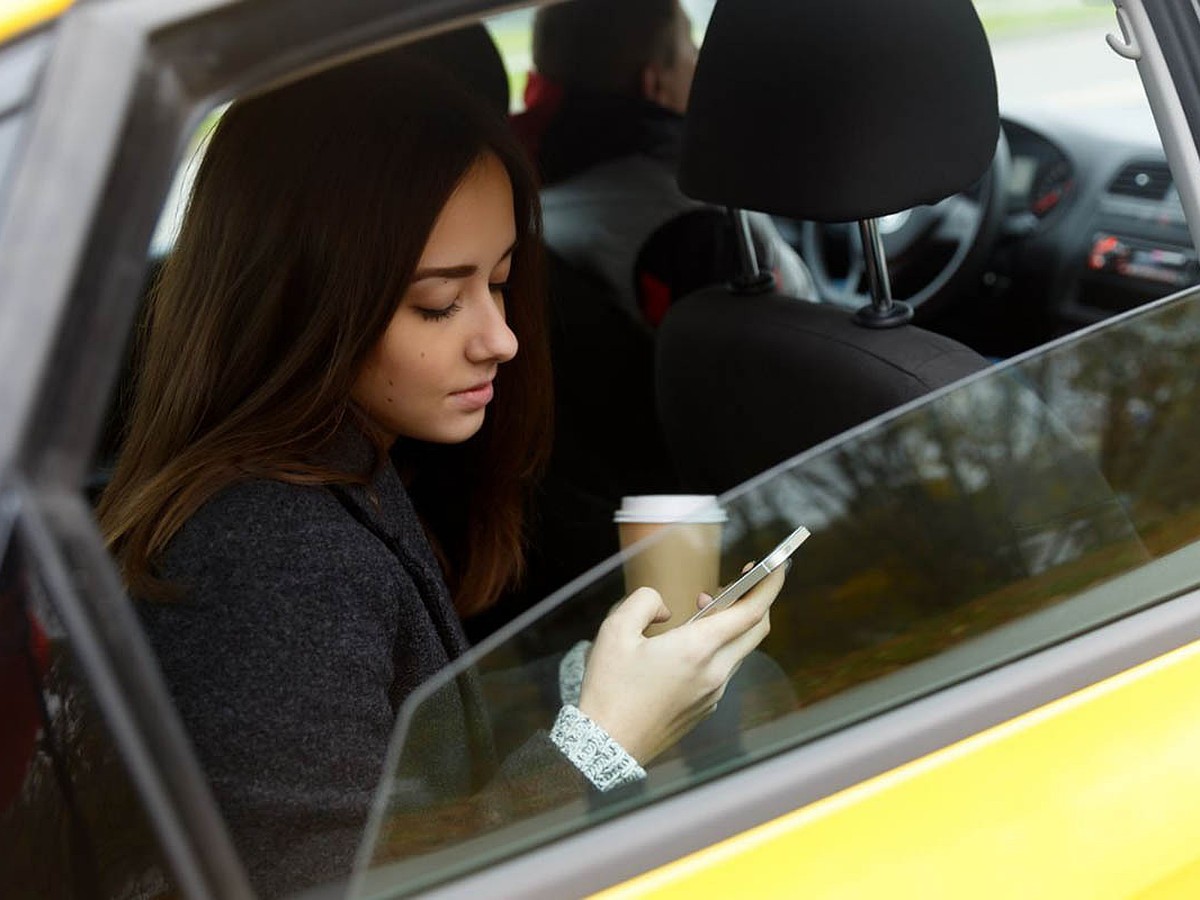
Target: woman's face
pixel 430 376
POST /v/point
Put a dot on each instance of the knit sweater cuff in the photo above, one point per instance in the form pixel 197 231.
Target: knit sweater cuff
pixel 591 750
pixel 570 672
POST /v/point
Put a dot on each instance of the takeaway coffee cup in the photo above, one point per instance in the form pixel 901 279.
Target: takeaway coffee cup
pixel 679 564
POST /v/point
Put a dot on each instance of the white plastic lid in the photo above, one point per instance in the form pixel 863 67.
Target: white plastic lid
pixel 654 508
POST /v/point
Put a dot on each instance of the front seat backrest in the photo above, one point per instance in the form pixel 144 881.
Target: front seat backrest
pixel 883 106
pixel 746 382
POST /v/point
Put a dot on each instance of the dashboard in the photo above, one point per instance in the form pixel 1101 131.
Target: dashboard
pixel 1093 226
pixel 1040 179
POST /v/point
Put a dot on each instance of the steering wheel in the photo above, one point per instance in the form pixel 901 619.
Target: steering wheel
pixel 967 222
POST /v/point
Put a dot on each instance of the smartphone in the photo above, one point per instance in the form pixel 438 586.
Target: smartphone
pixel 754 575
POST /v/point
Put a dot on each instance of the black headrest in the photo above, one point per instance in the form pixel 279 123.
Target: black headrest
pixel 836 110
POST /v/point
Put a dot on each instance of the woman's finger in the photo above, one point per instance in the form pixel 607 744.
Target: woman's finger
pixel 640 609
pixel 726 625
pixel 732 653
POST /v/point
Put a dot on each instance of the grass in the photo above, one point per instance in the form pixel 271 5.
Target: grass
pixel 1000 25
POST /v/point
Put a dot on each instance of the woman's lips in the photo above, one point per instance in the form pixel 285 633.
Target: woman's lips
pixel 474 398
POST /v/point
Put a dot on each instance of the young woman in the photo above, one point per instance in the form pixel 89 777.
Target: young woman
pixel 358 275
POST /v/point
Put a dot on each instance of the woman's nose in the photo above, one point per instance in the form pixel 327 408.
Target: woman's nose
pixel 493 339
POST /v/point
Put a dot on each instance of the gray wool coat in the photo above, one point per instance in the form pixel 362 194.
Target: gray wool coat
pixel 299 634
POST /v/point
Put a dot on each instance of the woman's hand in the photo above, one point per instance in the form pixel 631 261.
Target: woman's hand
pixel 648 692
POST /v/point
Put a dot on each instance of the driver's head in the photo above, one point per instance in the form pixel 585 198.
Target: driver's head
pixel 642 48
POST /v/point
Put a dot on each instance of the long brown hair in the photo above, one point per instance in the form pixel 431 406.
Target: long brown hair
pixel 308 216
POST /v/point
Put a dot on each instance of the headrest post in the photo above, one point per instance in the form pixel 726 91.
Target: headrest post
pixel 884 312
pixel 750 280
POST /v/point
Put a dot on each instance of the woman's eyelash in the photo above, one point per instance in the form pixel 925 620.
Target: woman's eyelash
pixel 445 312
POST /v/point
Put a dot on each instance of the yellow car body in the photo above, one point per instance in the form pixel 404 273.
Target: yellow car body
pixel 1092 795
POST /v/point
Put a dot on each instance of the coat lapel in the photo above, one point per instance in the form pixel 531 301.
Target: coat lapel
pixel 386 509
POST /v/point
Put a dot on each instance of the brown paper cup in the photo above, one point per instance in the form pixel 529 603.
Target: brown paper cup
pixel 680 563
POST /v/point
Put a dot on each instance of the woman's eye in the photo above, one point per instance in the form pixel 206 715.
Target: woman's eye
pixel 444 312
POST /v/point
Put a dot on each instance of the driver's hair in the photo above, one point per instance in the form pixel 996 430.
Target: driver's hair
pixel 602 46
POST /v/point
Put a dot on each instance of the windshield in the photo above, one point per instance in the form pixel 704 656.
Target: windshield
pixel 1050 55
pixel 1003 515
pixel 1052 58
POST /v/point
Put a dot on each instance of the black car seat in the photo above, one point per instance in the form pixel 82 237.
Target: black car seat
pixel 794 112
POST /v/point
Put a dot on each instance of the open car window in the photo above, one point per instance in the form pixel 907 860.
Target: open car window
pixel 1014 511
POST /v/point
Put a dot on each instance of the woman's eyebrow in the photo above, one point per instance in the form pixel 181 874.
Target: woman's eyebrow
pixel 457 271
pixel 445 272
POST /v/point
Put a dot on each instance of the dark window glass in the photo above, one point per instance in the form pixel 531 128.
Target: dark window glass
pixel 71 824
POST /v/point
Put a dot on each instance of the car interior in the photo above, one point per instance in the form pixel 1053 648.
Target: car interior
pixel 1008 240
pixel 992 269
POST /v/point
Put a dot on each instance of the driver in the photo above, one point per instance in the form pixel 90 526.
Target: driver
pixel 606 126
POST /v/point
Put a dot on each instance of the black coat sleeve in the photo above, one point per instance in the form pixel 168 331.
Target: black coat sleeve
pixel 294 642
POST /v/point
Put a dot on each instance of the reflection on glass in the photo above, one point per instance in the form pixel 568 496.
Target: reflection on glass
pixel 71 824
pixel 1011 512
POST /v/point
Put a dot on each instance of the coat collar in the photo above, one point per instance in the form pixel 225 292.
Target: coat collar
pixel 385 504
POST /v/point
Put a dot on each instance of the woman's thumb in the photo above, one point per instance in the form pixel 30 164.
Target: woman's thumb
pixel 644 607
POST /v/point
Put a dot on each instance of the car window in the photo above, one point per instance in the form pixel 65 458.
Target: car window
pixel 1056 59
pixel 1028 40
pixel 1011 512
pixel 513 34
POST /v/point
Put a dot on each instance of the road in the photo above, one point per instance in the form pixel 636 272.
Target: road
pixel 1074 74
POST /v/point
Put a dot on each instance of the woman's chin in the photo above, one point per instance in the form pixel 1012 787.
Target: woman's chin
pixel 462 428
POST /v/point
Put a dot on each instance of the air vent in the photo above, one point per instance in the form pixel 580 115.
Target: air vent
pixel 1150 179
